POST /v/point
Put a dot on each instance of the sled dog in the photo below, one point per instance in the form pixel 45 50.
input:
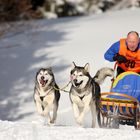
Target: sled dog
pixel 46 95
pixel 85 92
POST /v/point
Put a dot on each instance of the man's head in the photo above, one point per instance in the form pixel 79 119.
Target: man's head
pixel 132 40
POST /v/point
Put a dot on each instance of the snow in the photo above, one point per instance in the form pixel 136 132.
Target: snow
pixel 28 131
pixel 57 43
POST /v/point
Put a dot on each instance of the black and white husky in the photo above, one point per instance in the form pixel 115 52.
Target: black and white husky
pixel 85 92
pixel 46 95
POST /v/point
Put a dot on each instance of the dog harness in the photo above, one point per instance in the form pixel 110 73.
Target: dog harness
pixel 42 97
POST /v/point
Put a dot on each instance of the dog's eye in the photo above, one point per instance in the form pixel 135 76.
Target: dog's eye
pixel 80 75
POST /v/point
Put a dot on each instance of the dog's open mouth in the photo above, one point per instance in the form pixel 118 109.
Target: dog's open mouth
pixel 78 84
pixel 43 82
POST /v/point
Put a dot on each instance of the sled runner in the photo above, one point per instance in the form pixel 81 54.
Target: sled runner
pixel 121 104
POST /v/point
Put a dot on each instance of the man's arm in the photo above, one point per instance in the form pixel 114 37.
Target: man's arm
pixel 112 51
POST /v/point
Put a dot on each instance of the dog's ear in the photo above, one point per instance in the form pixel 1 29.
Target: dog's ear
pixel 49 68
pixel 73 64
pixel 86 67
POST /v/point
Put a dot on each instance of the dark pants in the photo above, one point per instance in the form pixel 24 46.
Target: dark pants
pixel 120 70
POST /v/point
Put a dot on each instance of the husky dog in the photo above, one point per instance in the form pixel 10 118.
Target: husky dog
pixel 85 92
pixel 46 95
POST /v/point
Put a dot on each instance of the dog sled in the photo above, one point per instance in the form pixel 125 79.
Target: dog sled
pixel 121 104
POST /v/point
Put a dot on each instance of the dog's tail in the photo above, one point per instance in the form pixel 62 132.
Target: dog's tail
pixel 102 74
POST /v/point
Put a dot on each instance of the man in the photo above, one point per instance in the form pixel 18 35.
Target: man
pixel 126 52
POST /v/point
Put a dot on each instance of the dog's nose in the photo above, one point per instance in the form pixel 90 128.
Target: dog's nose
pixel 42 77
pixel 75 80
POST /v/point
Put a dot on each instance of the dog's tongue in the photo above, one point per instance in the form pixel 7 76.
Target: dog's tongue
pixel 42 82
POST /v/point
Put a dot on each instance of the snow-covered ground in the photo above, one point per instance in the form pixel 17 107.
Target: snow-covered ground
pixel 57 43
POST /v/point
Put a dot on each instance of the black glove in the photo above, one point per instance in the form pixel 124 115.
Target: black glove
pixel 120 58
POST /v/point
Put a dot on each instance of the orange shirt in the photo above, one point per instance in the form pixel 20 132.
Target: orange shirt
pixel 133 58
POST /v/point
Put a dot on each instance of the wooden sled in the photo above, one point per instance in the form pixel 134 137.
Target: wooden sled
pixel 119 111
pixel 115 111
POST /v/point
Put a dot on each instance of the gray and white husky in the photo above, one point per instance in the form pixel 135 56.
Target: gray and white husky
pixel 85 92
pixel 46 95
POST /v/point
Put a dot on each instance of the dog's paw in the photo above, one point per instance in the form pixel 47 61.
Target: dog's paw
pixel 51 124
pixel 40 112
pixel 79 120
pixel 44 114
pixel 52 121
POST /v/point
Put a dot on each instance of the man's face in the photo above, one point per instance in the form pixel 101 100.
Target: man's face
pixel 132 41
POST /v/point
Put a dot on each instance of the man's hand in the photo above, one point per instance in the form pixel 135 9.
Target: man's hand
pixel 120 58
